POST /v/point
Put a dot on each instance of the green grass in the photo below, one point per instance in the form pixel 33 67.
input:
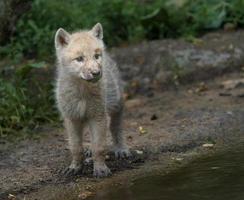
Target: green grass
pixel 25 102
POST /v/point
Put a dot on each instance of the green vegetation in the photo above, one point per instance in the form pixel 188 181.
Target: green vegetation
pixel 123 21
pixel 26 102
pixel 25 107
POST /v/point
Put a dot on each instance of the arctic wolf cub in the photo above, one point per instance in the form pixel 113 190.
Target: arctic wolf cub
pixel 89 94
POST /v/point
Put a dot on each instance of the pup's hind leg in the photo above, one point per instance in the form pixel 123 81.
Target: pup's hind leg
pixel 120 147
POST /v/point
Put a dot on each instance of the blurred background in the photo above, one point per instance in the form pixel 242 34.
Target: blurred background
pixel 27 29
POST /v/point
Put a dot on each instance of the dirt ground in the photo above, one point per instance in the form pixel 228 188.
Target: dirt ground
pixel 173 121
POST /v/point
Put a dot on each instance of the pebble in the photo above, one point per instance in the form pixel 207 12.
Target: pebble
pixel 11 196
pixel 142 130
pixel 208 145
pixel 231 84
pixel 139 152
pixel 215 167
pixel 85 195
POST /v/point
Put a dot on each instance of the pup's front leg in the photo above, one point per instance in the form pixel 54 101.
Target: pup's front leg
pixel 74 130
pixel 98 128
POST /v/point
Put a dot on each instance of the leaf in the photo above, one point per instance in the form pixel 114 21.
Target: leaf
pixel 38 65
pixel 151 15
pixel 218 15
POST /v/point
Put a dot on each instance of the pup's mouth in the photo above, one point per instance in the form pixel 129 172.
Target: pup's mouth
pixel 94 79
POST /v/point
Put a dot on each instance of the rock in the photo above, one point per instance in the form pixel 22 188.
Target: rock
pixel 208 145
pixel 201 88
pixel 133 103
pixel 139 152
pixel 159 64
pixel 178 159
pixel 215 168
pixel 142 131
pixel 229 113
pixel 11 197
pixel 231 84
pixel 85 195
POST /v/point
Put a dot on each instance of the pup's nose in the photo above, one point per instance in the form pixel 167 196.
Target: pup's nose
pixel 96 73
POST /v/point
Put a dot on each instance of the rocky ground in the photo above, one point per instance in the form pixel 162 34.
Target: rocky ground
pixel 170 121
pixel 163 63
pixel 157 124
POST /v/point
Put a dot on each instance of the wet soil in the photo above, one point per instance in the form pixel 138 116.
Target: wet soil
pixel 218 176
pixel 156 126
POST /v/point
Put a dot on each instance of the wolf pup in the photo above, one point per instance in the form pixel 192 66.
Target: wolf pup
pixel 89 94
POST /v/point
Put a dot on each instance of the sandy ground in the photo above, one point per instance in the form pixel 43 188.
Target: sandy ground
pixel 159 124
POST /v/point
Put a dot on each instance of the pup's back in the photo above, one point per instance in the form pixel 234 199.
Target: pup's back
pixel 112 85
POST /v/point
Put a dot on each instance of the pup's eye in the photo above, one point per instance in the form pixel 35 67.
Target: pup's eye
pixel 80 59
pixel 97 56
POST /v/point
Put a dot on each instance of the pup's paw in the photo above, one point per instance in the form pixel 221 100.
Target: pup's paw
pixel 122 153
pixel 72 170
pixel 101 171
pixel 88 153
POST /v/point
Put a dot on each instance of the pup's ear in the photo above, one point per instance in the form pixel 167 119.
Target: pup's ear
pixel 62 38
pixel 97 31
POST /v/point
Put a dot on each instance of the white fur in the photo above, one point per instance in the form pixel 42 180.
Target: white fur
pixel 84 103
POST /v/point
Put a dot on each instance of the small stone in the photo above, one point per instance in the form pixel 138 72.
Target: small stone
pixel 231 84
pixel 85 195
pixel 215 168
pixel 88 187
pixel 231 47
pixel 142 130
pixel 208 145
pixel 11 196
pixel 139 152
pixel 179 159
pixel 134 103
pixel 201 88
pixel 229 113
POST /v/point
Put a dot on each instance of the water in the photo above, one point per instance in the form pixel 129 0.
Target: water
pixel 218 177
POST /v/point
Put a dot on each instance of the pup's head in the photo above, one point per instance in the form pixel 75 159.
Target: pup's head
pixel 80 54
